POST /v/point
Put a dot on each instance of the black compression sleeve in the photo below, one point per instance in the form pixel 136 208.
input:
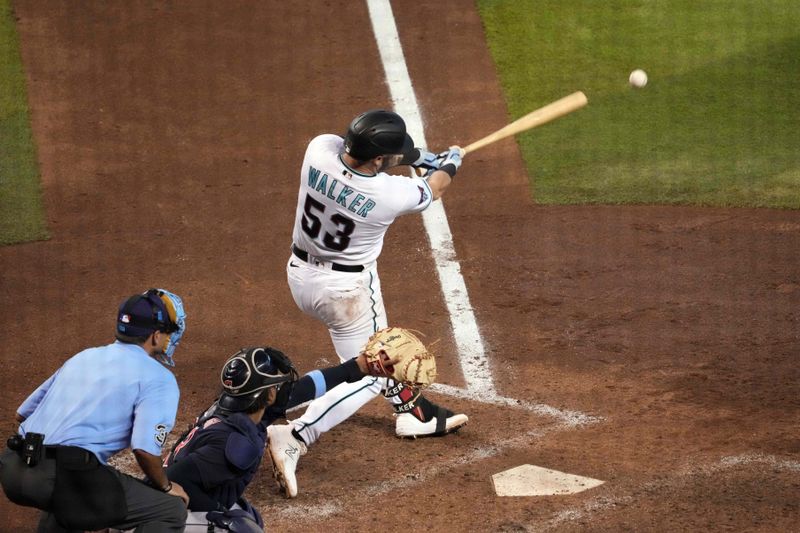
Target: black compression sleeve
pixel 305 389
pixel 346 372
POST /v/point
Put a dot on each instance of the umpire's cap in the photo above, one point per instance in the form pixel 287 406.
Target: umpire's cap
pixel 142 314
pixel 250 372
pixel 377 132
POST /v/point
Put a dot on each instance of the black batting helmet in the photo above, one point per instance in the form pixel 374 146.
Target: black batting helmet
pixel 377 132
pixel 249 373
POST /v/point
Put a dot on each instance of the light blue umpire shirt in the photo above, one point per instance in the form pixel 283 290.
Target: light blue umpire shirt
pixel 104 400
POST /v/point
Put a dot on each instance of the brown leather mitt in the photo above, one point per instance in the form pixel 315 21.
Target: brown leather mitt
pixel 398 354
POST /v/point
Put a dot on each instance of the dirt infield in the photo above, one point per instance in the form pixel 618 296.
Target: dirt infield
pixel 169 140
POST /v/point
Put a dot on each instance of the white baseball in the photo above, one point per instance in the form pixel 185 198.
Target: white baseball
pixel 638 78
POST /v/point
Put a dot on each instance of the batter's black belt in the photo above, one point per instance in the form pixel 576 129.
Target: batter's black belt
pixel 303 256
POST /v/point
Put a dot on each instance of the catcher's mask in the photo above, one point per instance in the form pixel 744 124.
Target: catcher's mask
pixel 154 310
pixel 250 372
pixel 377 132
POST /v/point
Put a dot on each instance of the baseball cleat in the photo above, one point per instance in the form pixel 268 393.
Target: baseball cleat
pixel 285 451
pixel 407 426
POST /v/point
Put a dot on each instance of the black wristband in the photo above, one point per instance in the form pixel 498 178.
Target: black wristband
pixel 450 168
pixel 168 487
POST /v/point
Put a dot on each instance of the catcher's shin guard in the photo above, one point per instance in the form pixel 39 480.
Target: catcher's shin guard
pixel 418 417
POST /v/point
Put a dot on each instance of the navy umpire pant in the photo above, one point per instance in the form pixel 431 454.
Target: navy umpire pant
pixel 149 510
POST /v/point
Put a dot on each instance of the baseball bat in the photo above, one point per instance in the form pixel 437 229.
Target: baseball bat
pixel 535 118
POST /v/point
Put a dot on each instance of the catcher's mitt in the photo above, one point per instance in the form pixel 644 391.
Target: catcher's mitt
pixel 398 354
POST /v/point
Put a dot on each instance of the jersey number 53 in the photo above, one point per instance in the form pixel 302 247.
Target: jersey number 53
pixel 312 225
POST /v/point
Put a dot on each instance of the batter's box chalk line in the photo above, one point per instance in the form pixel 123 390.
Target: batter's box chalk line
pixel 357 497
pixel 566 417
pixel 569 418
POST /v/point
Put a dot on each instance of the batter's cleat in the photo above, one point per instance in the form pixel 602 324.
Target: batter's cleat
pixel 408 426
pixel 285 451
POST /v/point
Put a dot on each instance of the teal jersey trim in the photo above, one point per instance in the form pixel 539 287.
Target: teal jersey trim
pixel 372 298
pixel 348 167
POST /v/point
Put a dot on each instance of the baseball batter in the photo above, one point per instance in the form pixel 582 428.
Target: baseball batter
pixel 345 205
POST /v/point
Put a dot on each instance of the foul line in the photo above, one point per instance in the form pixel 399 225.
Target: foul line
pixel 471 353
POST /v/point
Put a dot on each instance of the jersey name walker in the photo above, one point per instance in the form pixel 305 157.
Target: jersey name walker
pixel 342 215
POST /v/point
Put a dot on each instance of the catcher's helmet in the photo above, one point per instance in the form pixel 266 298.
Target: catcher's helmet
pixel 377 132
pixel 249 373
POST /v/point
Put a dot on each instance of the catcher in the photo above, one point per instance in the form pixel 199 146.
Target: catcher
pixel 217 457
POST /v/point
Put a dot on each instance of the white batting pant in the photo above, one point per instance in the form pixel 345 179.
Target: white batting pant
pixel 351 306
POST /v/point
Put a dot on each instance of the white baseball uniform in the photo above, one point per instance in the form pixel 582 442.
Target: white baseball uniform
pixel 342 217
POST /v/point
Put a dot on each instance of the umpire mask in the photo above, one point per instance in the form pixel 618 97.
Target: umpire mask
pixel 154 310
pixel 250 372
pixel 177 318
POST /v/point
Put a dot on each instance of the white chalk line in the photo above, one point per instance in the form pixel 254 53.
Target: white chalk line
pixel 356 497
pixel 472 356
pixel 471 352
pixel 607 501
pixel 769 460
pixel 572 418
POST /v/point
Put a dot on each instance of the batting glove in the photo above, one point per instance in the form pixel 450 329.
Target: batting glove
pixel 426 160
pixel 450 160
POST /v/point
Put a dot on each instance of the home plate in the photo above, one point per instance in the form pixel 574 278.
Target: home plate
pixel 530 480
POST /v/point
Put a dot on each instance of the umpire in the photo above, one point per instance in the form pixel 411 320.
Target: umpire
pixel 100 402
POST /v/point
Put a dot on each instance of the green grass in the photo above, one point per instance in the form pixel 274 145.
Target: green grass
pixel 21 213
pixel 717 124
